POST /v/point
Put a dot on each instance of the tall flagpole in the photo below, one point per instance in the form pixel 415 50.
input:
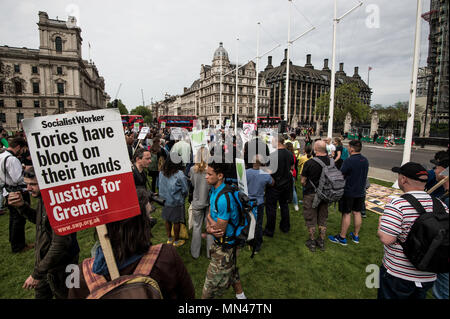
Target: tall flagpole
pixel 333 66
pixel 236 94
pixel 257 75
pixel 413 90
pixel 333 74
pixel 286 89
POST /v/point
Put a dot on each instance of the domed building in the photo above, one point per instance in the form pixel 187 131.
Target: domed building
pixel 208 109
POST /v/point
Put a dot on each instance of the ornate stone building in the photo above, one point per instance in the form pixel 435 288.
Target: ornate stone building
pixel 306 84
pixel 50 80
pixel 209 91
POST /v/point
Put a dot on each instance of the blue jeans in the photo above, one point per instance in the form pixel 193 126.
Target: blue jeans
pixel 294 196
pixel 440 287
pixel 396 288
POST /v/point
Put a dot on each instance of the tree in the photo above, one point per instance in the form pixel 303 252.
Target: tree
pixel 122 108
pixel 145 112
pixel 346 100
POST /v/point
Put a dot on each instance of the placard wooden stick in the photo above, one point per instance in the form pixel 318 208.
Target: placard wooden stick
pixel 102 232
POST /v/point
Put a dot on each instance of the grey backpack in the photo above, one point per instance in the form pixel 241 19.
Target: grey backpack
pixel 331 184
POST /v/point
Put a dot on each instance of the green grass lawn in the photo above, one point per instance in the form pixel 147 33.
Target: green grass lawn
pixel 284 268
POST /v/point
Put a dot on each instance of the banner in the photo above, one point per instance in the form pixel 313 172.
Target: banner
pixel 198 140
pixel 83 169
pixel 241 175
pixel 143 133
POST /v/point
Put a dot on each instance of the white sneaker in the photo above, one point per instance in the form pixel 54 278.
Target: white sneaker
pixel 296 208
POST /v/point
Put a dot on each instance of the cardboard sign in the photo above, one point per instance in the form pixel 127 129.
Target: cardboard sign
pixel 83 169
pixel 143 133
pixel 241 175
pixel 198 140
pixel 177 133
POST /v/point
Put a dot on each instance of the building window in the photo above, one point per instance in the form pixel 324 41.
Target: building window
pixel 1 86
pixel 60 88
pixel 18 87
pixel 59 70
pixel 61 104
pixel 58 44
pixel 17 68
pixel 37 114
pixel 19 103
pixel 35 88
pixel 2 103
pixel 3 117
pixel 36 104
pixel 19 117
pixel 34 69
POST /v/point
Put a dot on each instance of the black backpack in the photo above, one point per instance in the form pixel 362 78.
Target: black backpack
pixel 427 243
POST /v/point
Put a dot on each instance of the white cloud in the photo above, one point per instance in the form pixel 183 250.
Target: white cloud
pixel 159 46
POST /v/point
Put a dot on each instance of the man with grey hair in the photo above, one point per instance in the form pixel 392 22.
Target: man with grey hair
pixel 314 216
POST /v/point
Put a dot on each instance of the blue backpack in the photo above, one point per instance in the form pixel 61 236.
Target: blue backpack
pixel 344 154
pixel 244 231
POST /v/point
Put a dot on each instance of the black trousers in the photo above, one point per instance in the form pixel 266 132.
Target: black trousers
pixel 154 175
pixel 17 226
pixel 273 196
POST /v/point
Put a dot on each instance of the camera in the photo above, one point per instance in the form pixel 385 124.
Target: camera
pixel 16 188
pixel 153 197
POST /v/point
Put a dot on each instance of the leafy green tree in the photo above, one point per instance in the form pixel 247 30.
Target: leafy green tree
pixel 145 112
pixel 122 108
pixel 346 100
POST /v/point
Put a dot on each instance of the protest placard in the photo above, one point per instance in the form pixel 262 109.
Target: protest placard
pixel 83 169
pixel 136 127
pixel 163 124
pixel 177 133
pixel 143 133
pixel 198 140
pixel 241 175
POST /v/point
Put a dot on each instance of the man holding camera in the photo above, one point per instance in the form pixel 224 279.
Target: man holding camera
pixel 11 180
pixel 52 252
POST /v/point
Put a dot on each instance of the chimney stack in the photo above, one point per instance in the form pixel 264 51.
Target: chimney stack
pixel 308 62
pixel 356 75
pixel 341 67
pixel 325 65
pixel 269 63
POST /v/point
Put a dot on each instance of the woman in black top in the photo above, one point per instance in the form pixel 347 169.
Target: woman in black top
pixel 337 155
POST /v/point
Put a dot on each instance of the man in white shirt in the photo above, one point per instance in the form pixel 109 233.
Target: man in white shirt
pixel 330 147
pixel 399 278
pixel 11 179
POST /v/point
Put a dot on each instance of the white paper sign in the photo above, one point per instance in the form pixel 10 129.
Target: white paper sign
pixel 143 133
pixel 241 175
pixel 198 140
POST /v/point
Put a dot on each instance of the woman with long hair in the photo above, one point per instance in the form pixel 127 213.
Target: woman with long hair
pixel 290 148
pixel 130 241
pixel 158 156
pixel 338 153
pixel 173 187
pixel 200 201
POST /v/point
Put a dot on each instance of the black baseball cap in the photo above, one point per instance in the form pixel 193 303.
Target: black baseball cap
pixel 440 159
pixel 412 170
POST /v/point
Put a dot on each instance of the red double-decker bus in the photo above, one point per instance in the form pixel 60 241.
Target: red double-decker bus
pixel 183 121
pixel 268 121
pixel 129 120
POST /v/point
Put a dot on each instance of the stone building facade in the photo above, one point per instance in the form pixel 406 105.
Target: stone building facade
pixel 209 91
pixel 50 80
pixel 306 85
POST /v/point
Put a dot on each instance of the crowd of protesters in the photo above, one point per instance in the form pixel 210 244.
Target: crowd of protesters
pixel 167 167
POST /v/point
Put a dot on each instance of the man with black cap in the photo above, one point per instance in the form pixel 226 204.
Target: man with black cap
pixel 399 279
pixel 441 163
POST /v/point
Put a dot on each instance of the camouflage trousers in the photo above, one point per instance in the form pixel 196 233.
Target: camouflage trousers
pixel 222 272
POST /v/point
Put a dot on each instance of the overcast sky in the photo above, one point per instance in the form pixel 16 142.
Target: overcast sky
pixel 159 45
